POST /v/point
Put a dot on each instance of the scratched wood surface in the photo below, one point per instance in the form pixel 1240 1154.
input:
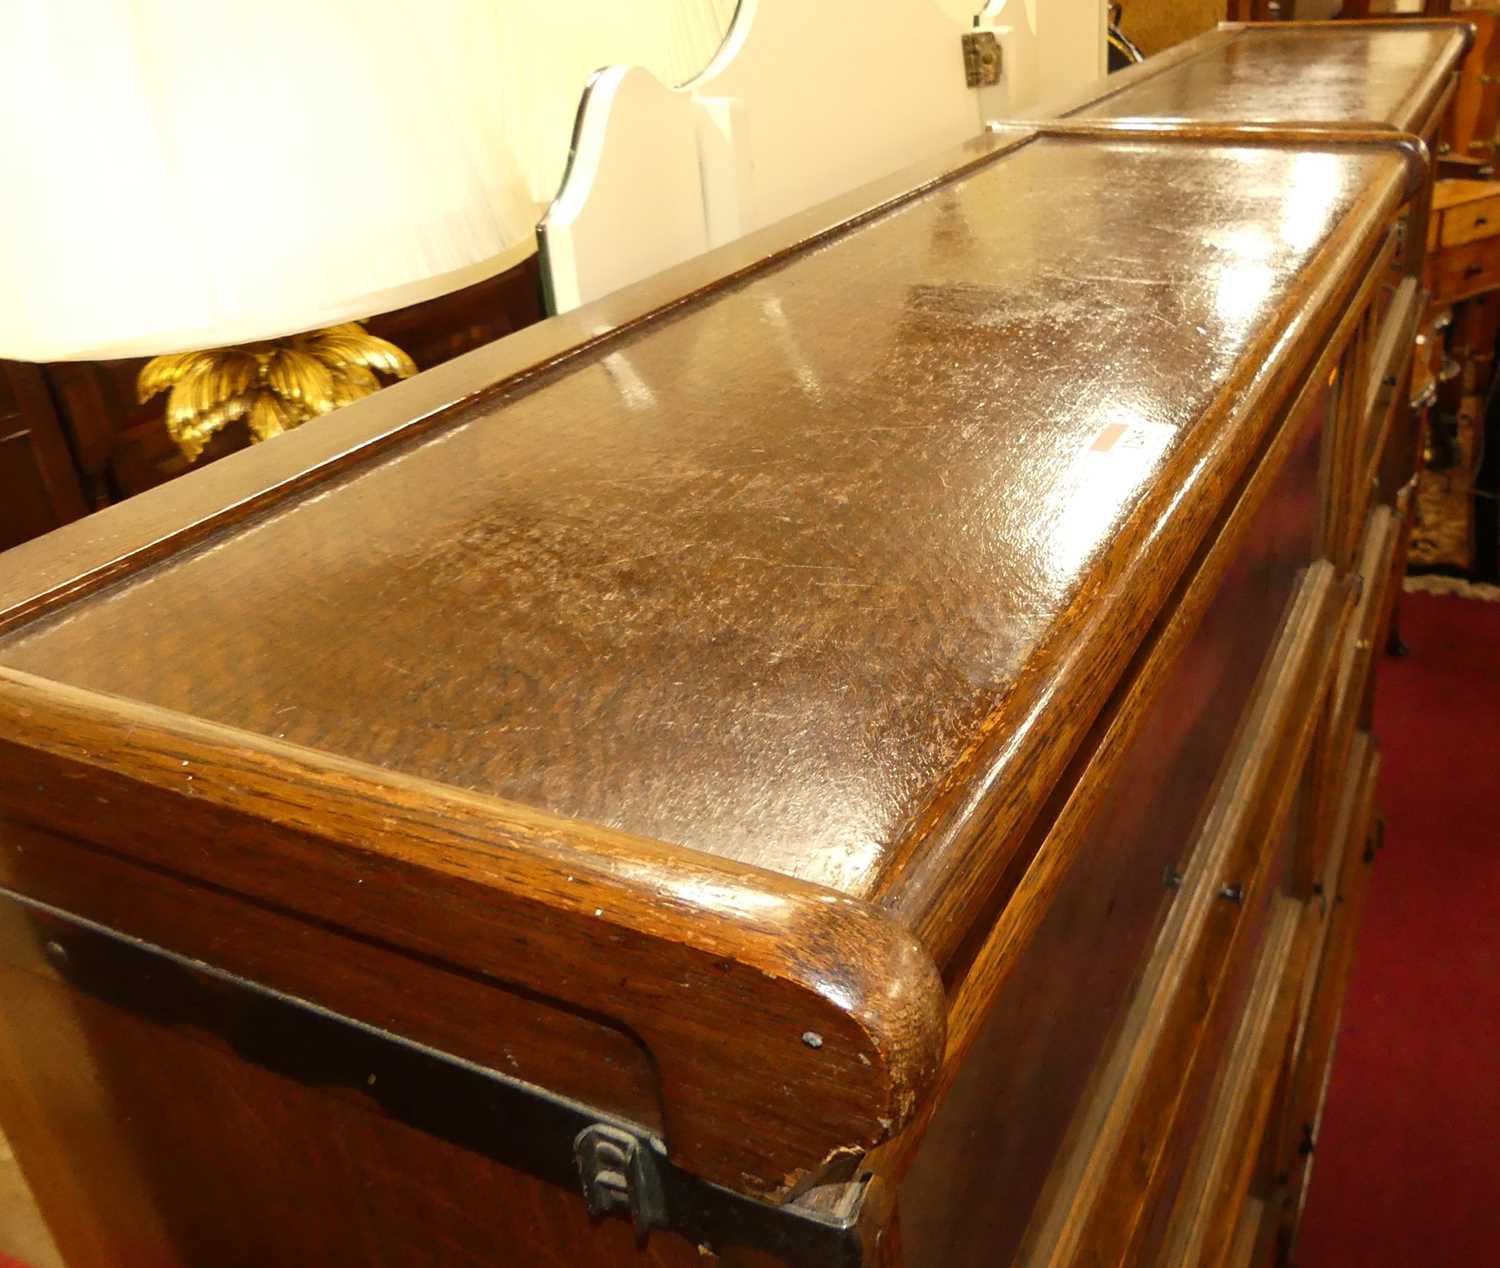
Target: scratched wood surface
pixel 661 591
pixel 1338 73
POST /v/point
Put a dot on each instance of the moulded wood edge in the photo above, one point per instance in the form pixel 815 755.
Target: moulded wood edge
pixel 826 991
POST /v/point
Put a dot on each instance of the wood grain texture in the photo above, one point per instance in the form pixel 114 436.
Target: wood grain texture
pixel 1356 832
pixel 39 489
pixel 473 1018
pixel 683 950
pixel 685 636
pixel 1477 108
pixel 1470 131
pixel 121 540
pixel 1206 1212
pixel 1349 692
pixel 1387 392
pixel 662 705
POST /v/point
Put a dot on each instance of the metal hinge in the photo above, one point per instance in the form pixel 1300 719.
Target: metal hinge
pixel 619 1175
pixel 981 59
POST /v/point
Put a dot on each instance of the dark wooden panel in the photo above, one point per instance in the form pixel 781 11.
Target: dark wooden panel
pixel 38 486
pixel 238 1166
pixel 1104 1201
pixel 1005 1117
pixel 1350 690
pixel 1206 1209
pixel 1354 835
pixel 25 509
pixel 461 1014
pixel 836 1012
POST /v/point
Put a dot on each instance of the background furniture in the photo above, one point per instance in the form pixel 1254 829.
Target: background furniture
pixel 1454 521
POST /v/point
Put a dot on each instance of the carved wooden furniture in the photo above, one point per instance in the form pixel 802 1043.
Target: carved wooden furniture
pixel 867 763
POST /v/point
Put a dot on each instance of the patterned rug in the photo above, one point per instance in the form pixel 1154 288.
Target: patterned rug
pixel 1456 586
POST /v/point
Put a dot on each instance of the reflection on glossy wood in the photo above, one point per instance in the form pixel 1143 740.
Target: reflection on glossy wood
pixel 712 579
pixel 108 446
pixel 1339 74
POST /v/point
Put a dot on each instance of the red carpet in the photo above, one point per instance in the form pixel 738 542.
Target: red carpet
pixel 1407 1171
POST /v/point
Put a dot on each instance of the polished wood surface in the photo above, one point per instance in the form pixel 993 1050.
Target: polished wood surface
pixel 1133 1132
pixel 1355 835
pixel 1337 73
pixel 1038 1045
pixel 699 601
pixel 116 542
pixel 1470 130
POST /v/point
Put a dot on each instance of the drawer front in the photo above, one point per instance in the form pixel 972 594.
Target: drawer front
pixel 1047 1031
pixel 1470 222
pixel 1109 1193
pixel 1465 271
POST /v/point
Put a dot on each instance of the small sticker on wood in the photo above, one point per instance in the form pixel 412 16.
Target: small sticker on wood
pixel 1137 439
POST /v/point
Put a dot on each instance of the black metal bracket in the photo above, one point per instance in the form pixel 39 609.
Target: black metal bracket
pixel 619 1176
pixel 623 1168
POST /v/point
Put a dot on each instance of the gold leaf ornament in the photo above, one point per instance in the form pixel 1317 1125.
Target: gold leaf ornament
pixel 275 385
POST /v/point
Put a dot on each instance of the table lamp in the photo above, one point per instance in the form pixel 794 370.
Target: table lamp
pixel 231 188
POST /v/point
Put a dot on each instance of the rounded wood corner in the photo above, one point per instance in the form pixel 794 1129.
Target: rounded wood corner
pixel 792 1027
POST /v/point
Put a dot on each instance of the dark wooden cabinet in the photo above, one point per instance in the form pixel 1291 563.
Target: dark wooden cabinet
pixel 849 769
pixel 39 487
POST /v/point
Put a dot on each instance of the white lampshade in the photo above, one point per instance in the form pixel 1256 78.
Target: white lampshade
pixel 182 174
